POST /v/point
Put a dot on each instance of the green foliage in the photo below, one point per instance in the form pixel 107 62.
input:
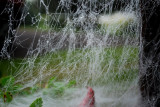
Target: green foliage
pixel 118 72
pixel 50 82
pixel 7 81
pixel 8 88
pixel 9 67
pixel 7 97
pixel 33 89
pixel 56 88
pixel 37 103
pixel 30 90
pixel 71 83
pixel 8 84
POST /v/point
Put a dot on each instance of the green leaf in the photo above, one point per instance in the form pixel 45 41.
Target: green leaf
pixel 37 103
pixel 9 97
pixel 71 83
pixel 34 89
pixel 17 87
pixel 51 82
pixel 1 93
pixel 7 81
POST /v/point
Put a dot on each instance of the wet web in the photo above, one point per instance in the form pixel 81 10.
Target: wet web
pixel 93 42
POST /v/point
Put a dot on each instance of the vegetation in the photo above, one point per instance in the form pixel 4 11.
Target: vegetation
pixel 59 59
pixel 37 103
pixel 8 89
pixel 55 86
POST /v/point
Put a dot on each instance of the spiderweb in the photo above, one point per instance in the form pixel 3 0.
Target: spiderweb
pixel 94 42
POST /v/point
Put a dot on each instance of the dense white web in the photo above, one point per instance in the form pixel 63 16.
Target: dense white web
pixel 94 42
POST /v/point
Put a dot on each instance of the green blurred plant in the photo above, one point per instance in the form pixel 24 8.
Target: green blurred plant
pixel 37 103
pixel 57 89
pixel 8 88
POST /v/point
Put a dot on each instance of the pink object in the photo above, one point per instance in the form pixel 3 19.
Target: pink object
pixel 89 100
